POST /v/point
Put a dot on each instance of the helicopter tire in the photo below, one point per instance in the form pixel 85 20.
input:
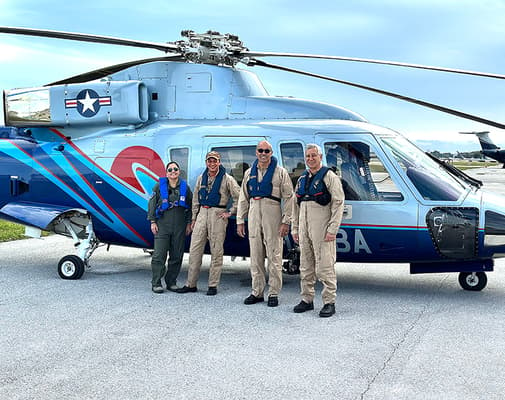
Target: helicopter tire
pixel 291 268
pixel 475 283
pixel 71 267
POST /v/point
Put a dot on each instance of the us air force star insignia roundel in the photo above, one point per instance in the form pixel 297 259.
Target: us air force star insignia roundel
pixel 88 102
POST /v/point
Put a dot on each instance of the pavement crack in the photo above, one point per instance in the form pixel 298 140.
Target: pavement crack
pixel 404 337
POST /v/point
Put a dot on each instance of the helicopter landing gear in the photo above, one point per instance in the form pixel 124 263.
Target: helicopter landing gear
pixel 73 266
pixel 148 251
pixel 292 265
pixel 474 281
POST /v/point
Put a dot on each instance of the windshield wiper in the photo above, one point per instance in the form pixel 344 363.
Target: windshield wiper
pixel 457 172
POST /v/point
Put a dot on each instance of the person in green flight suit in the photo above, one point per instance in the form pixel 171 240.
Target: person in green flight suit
pixel 169 211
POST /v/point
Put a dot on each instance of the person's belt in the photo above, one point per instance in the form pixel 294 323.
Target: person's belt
pixel 268 197
pixel 214 206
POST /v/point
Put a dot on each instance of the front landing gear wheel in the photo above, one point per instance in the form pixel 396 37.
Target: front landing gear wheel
pixel 474 281
pixel 71 267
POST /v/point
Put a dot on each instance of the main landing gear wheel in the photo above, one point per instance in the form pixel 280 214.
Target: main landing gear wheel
pixel 291 268
pixel 71 267
pixel 474 281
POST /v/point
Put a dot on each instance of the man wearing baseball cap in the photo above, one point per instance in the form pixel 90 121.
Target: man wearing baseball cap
pixel 213 190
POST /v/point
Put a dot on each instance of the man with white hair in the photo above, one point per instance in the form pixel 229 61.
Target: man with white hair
pixel 316 220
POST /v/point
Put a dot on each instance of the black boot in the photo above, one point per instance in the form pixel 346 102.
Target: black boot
pixel 187 289
pixel 302 307
pixel 328 310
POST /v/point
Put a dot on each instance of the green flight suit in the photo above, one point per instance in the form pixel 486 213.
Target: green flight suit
pixel 171 235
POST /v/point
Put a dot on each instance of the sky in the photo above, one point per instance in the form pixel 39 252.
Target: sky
pixel 459 34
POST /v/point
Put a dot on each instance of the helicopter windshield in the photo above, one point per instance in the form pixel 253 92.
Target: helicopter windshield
pixel 431 180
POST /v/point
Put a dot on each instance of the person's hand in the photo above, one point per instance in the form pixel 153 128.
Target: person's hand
pixel 154 228
pixel 241 230
pixel 330 237
pixel 189 228
pixel 193 225
pixel 295 237
pixel 283 230
pixel 225 215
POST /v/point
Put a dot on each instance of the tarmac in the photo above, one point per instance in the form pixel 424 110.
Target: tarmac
pixel 107 336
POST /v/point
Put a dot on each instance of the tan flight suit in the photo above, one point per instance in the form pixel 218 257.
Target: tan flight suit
pixel 311 221
pixel 209 226
pixel 264 219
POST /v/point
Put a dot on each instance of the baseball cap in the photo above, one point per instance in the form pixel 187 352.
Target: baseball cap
pixel 213 154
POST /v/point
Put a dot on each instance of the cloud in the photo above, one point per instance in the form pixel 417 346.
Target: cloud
pixel 12 53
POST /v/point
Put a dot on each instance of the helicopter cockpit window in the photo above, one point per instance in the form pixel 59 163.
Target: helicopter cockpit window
pixel 180 156
pixel 364 177
pixel 293 160
pixel 237 159
pixel 431 180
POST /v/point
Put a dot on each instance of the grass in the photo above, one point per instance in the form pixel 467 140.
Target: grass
pixel 462 165
pixel 10 231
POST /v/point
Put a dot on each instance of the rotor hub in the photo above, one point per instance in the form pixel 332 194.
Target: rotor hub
pixel 211 48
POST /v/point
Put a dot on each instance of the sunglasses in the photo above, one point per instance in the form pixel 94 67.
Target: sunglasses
pixel 175 169
pixel 266 151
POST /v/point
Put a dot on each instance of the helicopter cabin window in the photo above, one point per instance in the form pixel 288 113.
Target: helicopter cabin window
pixel 293 160
pixel 364 177
pixel 180 156
pixel 237 159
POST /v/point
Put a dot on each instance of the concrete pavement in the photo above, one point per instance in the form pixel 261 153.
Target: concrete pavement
pixel 108 336
pixel 395 335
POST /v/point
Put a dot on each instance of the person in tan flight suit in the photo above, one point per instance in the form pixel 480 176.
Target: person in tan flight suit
pixel 316 219
pixel 213 190
pixel 266 198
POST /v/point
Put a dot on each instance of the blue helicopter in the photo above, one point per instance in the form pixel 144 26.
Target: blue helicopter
pixel 79 157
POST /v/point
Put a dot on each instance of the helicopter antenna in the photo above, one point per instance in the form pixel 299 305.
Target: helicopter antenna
pixel 383 92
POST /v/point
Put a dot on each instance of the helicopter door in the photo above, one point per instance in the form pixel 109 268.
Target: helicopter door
pixel 293 159
pixel 380 219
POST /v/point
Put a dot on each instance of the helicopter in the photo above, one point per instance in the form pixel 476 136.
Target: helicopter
pixel 79 157
pixel 489 148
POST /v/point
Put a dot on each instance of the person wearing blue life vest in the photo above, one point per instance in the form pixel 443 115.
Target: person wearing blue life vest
pixel 169 211
pixel 266 200
pixel 316 220
pixel 211 209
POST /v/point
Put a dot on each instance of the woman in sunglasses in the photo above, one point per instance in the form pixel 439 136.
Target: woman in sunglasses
pixel 169 211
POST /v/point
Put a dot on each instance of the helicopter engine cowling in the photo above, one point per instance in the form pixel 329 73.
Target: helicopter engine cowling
pixel 105 102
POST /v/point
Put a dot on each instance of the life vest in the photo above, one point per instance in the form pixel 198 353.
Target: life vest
pixel 259 190
pixel 313 188
pixel 166 204
pixel 213 197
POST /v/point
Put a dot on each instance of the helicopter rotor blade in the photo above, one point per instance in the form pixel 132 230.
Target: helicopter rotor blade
pixel 103 72
pixel 383 92
pixel 82 37
pixel 366 60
